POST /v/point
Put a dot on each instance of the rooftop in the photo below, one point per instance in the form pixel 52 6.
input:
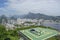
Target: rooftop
pixel 39 33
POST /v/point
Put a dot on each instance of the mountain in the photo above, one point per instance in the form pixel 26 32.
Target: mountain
pixel 40 16
pixel 58 16
pixel 31 15
pixel 3 17
pixel 17 16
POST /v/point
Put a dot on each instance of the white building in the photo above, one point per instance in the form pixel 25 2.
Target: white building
pixel 20 21
pixel 11 21
pixel 10 26
pixel 34 21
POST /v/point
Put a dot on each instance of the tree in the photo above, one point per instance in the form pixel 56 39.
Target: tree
pixel 2 32
pixel 10 34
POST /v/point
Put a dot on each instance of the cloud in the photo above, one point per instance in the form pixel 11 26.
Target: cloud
pixel 49 7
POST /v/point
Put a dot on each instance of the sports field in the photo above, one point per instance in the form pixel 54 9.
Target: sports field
pixel 41 34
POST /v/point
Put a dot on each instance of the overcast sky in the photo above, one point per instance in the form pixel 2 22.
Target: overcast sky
pixel 18 7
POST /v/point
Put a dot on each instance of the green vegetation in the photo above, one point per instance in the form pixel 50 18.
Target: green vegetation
pixel 11 34
pixel 24 28
pixel 2 32
pixel 55 38
pixel 28 27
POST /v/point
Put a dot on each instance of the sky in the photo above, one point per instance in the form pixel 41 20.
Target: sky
pixel 19 7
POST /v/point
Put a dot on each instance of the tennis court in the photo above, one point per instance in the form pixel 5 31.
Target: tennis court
pixel 40 34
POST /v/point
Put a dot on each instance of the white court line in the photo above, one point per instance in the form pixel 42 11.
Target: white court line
pixel 59 33
pixel 26 34
pixel 39 36
pixel 49 36
pixel 32 34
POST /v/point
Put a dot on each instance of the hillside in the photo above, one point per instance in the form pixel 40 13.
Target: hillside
pixel 40 16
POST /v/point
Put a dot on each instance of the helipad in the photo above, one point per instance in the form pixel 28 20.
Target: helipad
pixel 39 33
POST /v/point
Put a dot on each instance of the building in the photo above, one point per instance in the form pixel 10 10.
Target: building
pixel 29 21
pixel 9 26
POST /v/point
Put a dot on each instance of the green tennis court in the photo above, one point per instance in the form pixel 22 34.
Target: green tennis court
pixel 39 33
